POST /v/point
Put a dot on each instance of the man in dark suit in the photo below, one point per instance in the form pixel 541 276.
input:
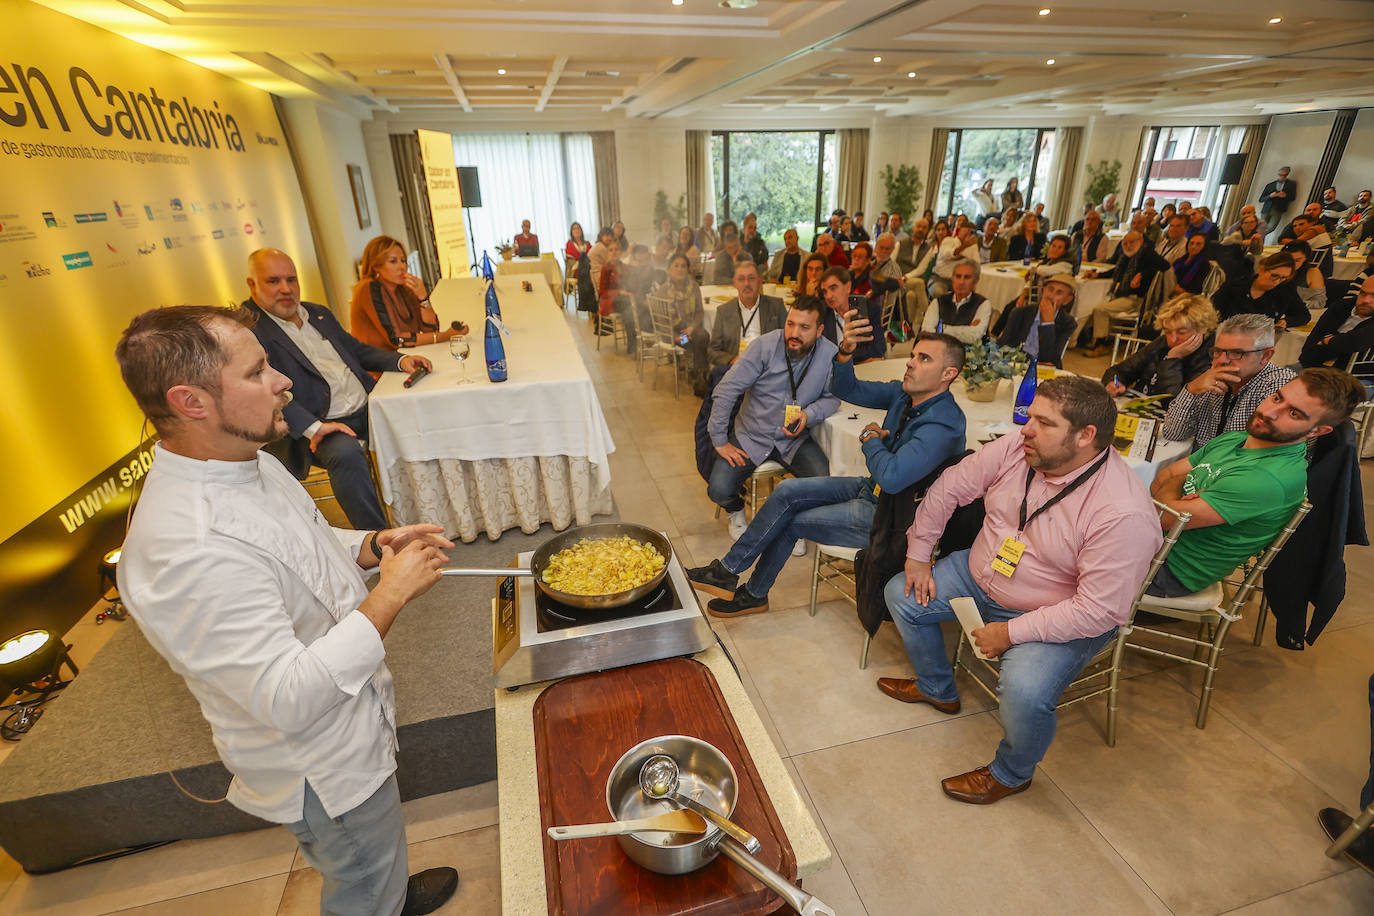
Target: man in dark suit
pixel 328 369
pixel 1043 330
pixel 837 291
pixel 744 318
pixel 1134 267
pixel 1342 331
pixel 1276 197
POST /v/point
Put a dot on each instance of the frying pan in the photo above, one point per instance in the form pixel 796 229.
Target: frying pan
pixel 540 561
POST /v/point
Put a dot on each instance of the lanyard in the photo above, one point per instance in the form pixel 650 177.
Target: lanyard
pixel 787 361
pixel 748 324
pixel 1030 474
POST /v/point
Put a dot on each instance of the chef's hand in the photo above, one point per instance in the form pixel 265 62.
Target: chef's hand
pixel 327 428
pixel 733 455
pixel 920 581
pixel 406 574
pixel 797 426
pixel 398 538
pixel 992 639
pixel 411 363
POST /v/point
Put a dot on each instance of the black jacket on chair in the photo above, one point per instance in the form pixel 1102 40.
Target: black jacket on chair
pixel 885 555
pixel 1311 566
pixel 1054 338
pixel 309 391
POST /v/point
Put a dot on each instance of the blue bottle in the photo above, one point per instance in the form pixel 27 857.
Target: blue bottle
pixel 1020 412
pixel 494 349
pixel 489 278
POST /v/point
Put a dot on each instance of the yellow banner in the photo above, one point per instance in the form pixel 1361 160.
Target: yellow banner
pixel 445 202
pixel 132 179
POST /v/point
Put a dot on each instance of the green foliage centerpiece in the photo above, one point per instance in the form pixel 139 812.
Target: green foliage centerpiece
pixel 986 364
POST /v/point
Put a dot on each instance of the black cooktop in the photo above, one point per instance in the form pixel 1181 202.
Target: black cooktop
pixel 554 615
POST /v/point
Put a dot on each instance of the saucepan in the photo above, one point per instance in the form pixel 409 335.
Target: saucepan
pixel 540 561
pixel 706 775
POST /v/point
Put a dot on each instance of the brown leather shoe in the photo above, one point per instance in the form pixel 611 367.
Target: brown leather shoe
pixel 904 689
pixel 978 787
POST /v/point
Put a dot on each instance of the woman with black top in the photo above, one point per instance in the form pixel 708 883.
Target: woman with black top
pixel 1268 292
pixel 1307 279
pixel 1191 268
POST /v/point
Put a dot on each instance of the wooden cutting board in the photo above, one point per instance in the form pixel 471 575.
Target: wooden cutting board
pixel 581 727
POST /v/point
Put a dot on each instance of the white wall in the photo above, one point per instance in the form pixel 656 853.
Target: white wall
pixel 1296 140
pixel 649 157
pixel 1356 172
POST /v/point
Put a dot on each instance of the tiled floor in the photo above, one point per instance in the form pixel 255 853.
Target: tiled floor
pixel 1172 819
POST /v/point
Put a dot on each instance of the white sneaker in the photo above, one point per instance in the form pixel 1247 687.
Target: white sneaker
pixel 799 548
pixel 737 524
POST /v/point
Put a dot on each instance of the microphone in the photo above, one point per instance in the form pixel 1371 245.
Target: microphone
pixel 415 376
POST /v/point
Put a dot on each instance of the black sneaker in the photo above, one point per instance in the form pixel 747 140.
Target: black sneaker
pixel 742 604
pixel 714 579
pixel 428 890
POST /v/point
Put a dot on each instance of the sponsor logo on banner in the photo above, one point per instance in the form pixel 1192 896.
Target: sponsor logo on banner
pixel 99 217
pixel 52 222
pixel 148 209
pixel 247 228
pixel 77 260
pixel 171 241
pixel 13 230
pixel 34 270
pixel 117 261
pixel 147 247
pixel 217 234
pixel 175 204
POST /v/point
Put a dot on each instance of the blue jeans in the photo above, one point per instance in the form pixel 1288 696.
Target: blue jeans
pixel 361 854
pixel 349 476
pixel 825 509
pixel 1033 674
pixel 726 479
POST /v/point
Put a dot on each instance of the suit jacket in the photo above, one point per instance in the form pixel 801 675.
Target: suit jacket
pixel 1016 248
pixel 309 391
pixel 1342 346
pixel 725 330
pixel 1053 338
pixel 1282 203
pixel 872 309
pixel 997 249
pixel 1147 264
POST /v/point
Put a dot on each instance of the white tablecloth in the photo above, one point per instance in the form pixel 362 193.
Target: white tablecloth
pixel 491 456
pixel 551 268
pixel 838 437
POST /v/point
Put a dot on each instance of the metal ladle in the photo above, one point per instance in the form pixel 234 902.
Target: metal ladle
pixel 658 778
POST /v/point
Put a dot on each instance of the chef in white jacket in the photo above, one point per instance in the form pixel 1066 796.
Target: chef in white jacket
pixel 239 582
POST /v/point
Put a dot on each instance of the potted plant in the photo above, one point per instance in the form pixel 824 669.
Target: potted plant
pixel 986 364
pixel 903 187
pixel 1103 179
pixel 505 249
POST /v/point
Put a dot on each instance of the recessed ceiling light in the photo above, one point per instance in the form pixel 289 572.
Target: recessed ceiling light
pixel 501 70
pixel 877 59
pixel 1045 11
pixel 1050 62
pixel 1275 20
pixel 911 75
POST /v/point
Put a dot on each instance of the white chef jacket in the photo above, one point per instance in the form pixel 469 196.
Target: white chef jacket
pixel 238 581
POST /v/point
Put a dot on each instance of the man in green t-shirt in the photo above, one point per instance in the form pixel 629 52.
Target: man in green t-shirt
pixel 1242 486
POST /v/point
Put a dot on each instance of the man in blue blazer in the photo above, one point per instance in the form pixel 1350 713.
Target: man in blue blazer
pixel 328 368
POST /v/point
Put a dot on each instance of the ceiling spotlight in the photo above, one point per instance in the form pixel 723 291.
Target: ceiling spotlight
pixel 1275 20
pixel 1045 11
pixel 501 71
pixel 1050 62
pixel 877 59
pixel 911 74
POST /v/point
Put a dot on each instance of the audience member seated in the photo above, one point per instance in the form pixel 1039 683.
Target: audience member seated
pixel 1308 227
pixel 1199 224
pixel 1111 213
pixel 921 248
pixel 1181 353
pixel 1276 197
pixel 1090 242
pixel 923 428
pixel 1243 486
pixel 615 298
pixel 1247 210
pixel 828 248
pixel 1343 330
pixel 1076 229
pixel 745 318
pixel 1043 330
pixel 1011 196
pixel 1173 244
pixel 960 313
pixel 686 245
pixel 1166 213
pixel 1332 208
pixel 958 248
pixel 1046 611
pixel 860 269
pixel 832 229
pixel 526 243
pixel 809 283
pixel 789 367
pixel 1242 377
pixel 599 254
pixel 1248 233
pixel 1010 221
pixel 846 235
pixel 787 260
pixel 390 307
pixel 1135 268
pixel 706 237
pixel 841 300
pixel 1354 222
pixel 689 317
pixel 576 247
pixel 991 245
pixel 1266 293
pixel 1191 269
pixel 1307 279
pixel 618 230
pixel 1029 243
pixel 857 232
pixel 638 278
pixel 727 257
pixel 753 243
pixel 894 225
pixel 330 381
pixel 663 250
pixel 886 279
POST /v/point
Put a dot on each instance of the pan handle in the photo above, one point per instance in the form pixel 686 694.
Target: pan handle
pixel 804 903
pixel 505 571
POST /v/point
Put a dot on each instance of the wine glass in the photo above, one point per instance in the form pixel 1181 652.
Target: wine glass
pixel 458 347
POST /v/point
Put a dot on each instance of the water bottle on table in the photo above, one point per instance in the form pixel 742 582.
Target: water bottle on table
pixel 1020 411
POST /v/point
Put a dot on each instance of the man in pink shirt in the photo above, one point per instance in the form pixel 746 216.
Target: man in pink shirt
pixel 1069 534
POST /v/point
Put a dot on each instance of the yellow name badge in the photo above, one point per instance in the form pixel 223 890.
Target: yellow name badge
pixel 790 414
pixel 1008 556
pixel 743 342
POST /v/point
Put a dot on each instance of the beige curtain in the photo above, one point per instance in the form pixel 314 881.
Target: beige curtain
pixel 410 176
pixel 1250 145
pixel 607 177
pixel 939 139
pixel 1058 197
pixel 1127 189
pixel 851 184
pixel 699 190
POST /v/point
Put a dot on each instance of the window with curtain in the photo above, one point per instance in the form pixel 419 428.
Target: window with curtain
pixel 1184 163
pixel 997 153
pixel 546 178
